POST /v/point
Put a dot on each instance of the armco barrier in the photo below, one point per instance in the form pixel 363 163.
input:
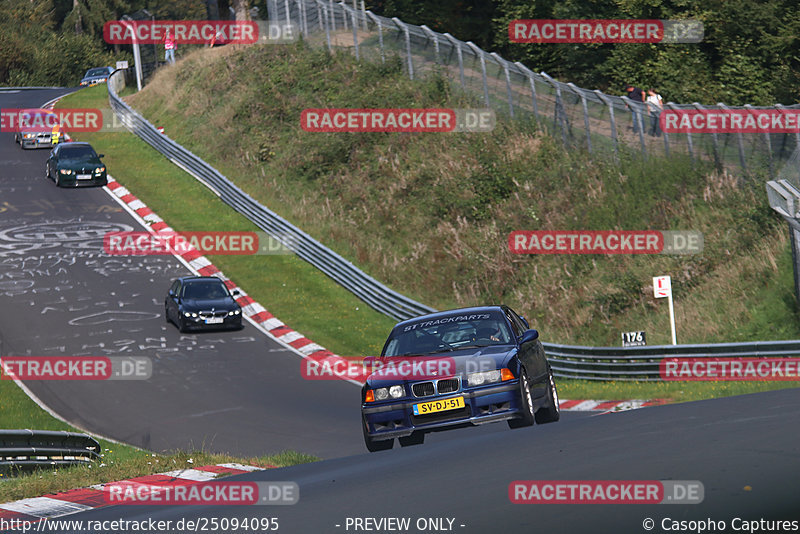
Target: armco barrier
pixel 642 363
pixel 25 449
pixel 590 363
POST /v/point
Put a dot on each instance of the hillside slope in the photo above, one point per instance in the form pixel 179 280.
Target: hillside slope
pixel 429 214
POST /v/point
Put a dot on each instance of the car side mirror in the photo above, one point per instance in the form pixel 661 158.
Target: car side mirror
pixel 101 155
pixel 528 336
pixel 235 292
pixel 171 293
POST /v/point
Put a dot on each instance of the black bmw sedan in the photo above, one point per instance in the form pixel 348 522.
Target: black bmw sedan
pixel 202 302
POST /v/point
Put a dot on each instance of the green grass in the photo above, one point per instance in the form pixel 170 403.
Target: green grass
pixel 674 391
pixel 118 461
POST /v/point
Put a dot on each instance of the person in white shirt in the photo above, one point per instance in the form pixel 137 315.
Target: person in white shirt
pixel 655 104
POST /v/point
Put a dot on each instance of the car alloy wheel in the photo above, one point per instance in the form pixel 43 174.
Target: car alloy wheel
pixel 526 402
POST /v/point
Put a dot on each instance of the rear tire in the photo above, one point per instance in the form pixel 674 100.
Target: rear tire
pixel 526 400
pixel 375 445
pixel 417 438
pixel 552 412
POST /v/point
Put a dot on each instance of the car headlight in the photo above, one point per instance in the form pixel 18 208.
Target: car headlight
pixel 187 314
pixel 396 392
pixel 234 312
pixel 65 171
pixel 485 377
pixel 99 170
pixel 28 135
pixel 381 394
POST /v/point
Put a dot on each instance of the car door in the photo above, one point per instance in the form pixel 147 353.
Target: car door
pixel 172 299
pixel 535 361
pixel 52 168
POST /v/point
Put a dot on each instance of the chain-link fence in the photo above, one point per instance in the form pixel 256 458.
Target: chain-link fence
pixel 582 118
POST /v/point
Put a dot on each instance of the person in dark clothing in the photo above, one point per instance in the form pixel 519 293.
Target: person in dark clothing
pixel 636 94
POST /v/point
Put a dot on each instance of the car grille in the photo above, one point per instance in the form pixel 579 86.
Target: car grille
pixel 423 389
pixel 210 314
pixel 43 138
pixel 441 387
pixel 448 385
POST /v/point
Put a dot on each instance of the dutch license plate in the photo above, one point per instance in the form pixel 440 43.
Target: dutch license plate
pixel 425 408
pixel 84 177
pixel 215 320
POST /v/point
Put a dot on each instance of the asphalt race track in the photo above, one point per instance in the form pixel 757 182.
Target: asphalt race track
pixel 238 392
pixel 726 444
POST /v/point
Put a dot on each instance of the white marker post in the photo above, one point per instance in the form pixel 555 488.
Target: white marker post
pixel 662 287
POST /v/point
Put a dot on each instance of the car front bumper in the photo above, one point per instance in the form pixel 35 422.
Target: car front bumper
pixel 230 321
pixel 484 405
pixel 70 180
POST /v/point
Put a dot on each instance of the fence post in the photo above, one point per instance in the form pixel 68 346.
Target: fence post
pixel 768 142
pixel 377 22
pixel 478 52
pixel 402 25
pixel 333 16
pixel 503 63
pixel 559 115
pixel 326 16
pixel 714 138
pixel 430 33
pixel 457 45
pixel 531 76
pixel 288 12
pixel 354 16
pixel 610 106
pixel 689 143
pixel 585 114
pixel 739 140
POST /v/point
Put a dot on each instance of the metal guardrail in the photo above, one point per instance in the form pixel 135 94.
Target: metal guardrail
pixel 589 363
pixel 26 449
pixel 642 363
pixel 375 294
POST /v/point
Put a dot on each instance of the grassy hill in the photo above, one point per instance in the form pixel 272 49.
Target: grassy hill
pixel 429 214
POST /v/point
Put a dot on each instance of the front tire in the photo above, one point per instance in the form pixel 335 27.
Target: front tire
pixel 526 400
pixel 375 445
pixel 417 438
pixel 552 412
pixel 182 326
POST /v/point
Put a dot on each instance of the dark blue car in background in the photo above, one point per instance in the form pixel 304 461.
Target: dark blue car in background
pixel 96 75
pixel 486 365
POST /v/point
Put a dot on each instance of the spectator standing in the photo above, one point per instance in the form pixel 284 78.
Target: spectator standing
pixel 656 105
pixel 637 95
pixel 169 48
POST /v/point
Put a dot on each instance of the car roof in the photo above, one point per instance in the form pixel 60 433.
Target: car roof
pixel 185 279
pixel 435 315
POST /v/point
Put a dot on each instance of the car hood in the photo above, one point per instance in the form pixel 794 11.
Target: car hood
pixel 223 304
pixel 462 361
pixel 79 164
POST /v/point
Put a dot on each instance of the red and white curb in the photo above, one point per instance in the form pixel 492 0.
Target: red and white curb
pixel 79 500
pixel 607 406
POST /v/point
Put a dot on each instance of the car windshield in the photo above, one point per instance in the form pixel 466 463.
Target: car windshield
pixel 97 72
pixel 204 290
pixel 77 152
pixel 448 333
